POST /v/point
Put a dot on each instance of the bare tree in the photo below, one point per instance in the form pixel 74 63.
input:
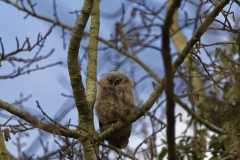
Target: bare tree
pixel 145 40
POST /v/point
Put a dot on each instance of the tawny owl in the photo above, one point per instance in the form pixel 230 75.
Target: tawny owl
pixel 115 101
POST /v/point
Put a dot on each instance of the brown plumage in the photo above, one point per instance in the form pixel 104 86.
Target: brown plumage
pixel 115 101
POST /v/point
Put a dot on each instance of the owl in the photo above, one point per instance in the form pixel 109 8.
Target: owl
pixel 115 101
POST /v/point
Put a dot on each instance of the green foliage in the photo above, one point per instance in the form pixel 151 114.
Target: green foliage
pixel 192 147
pixel 163 153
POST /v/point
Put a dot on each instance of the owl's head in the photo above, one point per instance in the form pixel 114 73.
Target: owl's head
pixel 115 78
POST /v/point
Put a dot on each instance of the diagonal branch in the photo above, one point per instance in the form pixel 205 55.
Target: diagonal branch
pixel 197 35
pixel 198 118
pixel 51 128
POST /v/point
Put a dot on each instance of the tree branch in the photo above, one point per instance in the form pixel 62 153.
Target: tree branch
pixel 50 128
pixel 85 113
pixel 92 56
pixel 198 118
pixel 167 59
pixel 34 14
pixel 200 31
pixel 195 81
pixel 133 57
pixel 73 65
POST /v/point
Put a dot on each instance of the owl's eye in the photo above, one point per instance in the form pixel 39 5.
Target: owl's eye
pixel 117 82
pixel 111 82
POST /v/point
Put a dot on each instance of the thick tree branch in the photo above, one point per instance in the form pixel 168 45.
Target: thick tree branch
pixel 85 113
pixel 92 71
pixel 92 56
pixel 73 64
pixel 167 59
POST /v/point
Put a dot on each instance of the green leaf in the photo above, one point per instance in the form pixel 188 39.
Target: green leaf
pixel 200 156
pixel 163 153
pixel 226 126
